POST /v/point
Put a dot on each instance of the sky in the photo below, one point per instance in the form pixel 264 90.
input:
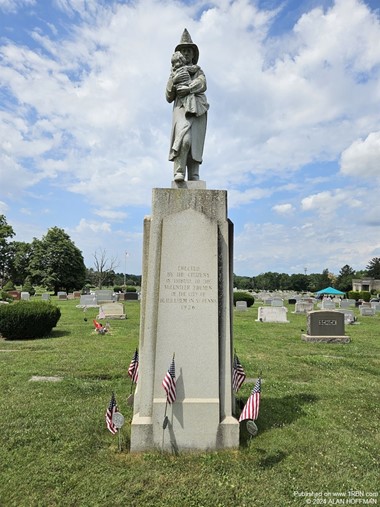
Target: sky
pixel 293 130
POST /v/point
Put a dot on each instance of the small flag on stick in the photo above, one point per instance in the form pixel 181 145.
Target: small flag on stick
pixel 169 383
pixel 238 374
pixel 251 408
pixel 111 410
pixel 133 370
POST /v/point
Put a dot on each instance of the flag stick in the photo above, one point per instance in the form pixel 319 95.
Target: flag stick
pixel 119 439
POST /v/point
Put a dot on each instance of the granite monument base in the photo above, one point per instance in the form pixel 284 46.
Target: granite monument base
pixel 325 339
pixel 186 310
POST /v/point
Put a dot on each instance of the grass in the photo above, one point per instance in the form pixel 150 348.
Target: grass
pixel 318 422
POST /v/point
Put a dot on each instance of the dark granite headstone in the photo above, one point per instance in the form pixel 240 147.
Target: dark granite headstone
pixel 325 326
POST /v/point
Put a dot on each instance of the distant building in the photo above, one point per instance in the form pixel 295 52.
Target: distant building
pixel 368 284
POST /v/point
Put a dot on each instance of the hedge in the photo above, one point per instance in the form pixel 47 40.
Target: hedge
pixel 28 319
pixel 243 296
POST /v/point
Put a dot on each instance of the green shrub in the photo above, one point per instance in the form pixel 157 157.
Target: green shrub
pixel 130 288
pixel 28 287
pixel 9 286
pixel 357 294
pixel 27 319
pixel 118 289
pixel 243 296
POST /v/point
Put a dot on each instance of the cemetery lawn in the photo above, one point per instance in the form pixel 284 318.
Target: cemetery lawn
pixel 318 422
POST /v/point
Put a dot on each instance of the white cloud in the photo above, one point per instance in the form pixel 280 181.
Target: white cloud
pixel 111 214
pixel 96 227
pixel 84 112
pixel 284 209
pixel 327 202
pixel 3 207
pixel 14 5
pixel 362 158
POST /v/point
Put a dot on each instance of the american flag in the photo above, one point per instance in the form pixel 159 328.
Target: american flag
pixel 169 383
pixel 133 370
pixel 112 408
pixel 238 374
pixel 251 408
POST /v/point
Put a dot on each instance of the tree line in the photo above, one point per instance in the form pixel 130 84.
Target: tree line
pixel 56 263
pixel 312 282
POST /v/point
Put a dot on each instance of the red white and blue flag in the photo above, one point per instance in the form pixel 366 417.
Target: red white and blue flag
pixel 111 410
pixel 238 374
pixel 251 408
pixel 169 383
pixel 133 370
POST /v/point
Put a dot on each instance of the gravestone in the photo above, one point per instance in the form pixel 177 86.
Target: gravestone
pixel 241 306
pixel 344 303
pixel 111 311
pixel 352 303
pixel 62 295
pixel 366 311
pixel 292 301
pixel 104 296
pixel 76 294
pixel 267 301
pixel 349 317
pixel 303 306
pixel 272 314
pixel 16 294
pixel 327 304
pixel 25 296
pixel 45 297
pixel 325 326
pixel 88 300
pixel 186 309
pixel 277 302
pixel 131 296
pixel 375 306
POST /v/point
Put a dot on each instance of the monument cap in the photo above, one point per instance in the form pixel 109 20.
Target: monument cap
pixel 187 42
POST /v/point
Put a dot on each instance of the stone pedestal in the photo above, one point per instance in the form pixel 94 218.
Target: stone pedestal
pixel 186 309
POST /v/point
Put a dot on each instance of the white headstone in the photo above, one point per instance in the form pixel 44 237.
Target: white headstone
pixel 241 306
pixel 303 307
pixel 349 316
pixel 104 296
pixel 272 314
pixel 25 296
pixel 88 300
pixel 366 311
pixel 277 302
pixel 327 304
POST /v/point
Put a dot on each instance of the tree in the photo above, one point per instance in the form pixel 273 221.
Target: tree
pixel 104 268
pixel 344 279
pixel 19 259
pixel 56 262
pixel 299 282
pixel 6 231
pixel 373 268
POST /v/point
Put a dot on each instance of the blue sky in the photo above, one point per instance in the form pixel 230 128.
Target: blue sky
pixel 293 129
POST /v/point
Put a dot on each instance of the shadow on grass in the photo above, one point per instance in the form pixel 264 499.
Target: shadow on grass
pixel 276 413
pixel 52 335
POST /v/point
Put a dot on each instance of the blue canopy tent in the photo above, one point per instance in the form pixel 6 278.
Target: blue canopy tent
pixel 330 291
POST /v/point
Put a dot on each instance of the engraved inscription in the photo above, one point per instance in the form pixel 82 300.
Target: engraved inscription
pixel 188 286
pixel 326 322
